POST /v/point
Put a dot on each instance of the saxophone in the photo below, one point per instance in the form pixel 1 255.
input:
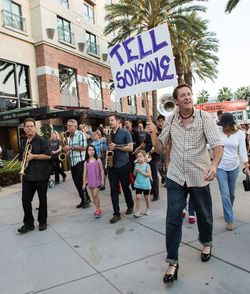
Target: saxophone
pixel 109 153
pixel 63 155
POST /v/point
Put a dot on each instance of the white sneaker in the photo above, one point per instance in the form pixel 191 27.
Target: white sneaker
pixel 137 214
pixel 147 211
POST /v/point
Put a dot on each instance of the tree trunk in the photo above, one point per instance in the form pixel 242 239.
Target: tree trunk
pixel 179 69
pixel 154 104
pixel 189 78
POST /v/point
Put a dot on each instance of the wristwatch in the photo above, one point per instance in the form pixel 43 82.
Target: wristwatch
pixel 72 148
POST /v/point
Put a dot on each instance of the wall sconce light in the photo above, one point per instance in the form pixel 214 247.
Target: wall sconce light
pixel 105 57
pixel 50 33
pixel 81 46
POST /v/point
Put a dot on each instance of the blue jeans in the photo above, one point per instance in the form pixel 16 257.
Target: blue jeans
pixel 227 185
pixel 176 200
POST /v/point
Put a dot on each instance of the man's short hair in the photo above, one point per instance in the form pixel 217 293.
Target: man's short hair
pixel 219 112
pixel 116 115
pixel 73 121
pixel 182 85
pixel 160 117
pixel 29 119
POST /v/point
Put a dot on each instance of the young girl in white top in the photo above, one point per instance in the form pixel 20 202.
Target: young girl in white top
pixel 93 176
pixel 228 169
pixel 142 173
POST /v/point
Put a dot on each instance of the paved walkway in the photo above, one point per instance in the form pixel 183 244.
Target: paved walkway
pixel 80 254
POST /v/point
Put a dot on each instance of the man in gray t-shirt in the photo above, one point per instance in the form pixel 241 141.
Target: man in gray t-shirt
pixel 121 143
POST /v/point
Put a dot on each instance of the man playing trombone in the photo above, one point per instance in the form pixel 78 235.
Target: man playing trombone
pixel 34 175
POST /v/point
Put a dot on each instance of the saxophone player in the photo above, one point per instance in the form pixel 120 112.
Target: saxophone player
pixel 76 149
pixel 121 167
pixel 35 176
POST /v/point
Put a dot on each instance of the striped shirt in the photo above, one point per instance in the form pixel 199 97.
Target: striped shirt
pixel 77 140
pixel 189 156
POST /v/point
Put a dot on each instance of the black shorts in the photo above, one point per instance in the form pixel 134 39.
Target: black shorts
pixel 140 191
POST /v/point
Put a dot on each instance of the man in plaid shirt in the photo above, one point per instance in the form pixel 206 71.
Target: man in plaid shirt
pixel 189 172
pixel 75 148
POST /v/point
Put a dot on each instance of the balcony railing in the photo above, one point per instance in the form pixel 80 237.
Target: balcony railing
pixel 13 20
pixel 66 36
pixel 93 48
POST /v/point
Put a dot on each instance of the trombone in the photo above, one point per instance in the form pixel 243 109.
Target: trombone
pixel 25 163
pixel 13 162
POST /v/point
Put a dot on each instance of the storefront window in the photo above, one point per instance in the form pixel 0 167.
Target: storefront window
pixel 7 79
pixel 95 91
pixel 115 101
pixel 68 86
pixel 14 86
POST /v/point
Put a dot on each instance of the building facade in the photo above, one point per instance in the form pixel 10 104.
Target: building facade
pixel 53 54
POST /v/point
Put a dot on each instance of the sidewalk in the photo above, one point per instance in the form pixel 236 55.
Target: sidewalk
pixel 78 254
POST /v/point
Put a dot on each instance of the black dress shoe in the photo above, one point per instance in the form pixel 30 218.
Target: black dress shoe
pixel 206 256
pixel 129 210
pixel 169 278
pixel 25 229
pixel 79 205
pixel 42 227
pixel 115 219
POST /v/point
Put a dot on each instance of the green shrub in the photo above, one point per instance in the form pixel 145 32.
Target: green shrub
pixel 9 176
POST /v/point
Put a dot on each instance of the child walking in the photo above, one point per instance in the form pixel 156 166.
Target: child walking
pixel 93 176
pixel 142 173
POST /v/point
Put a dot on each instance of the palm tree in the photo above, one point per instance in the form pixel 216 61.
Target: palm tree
pixel 202 97
pixel 242 93
pixel 225 94
pixel 231 4
pixel 129 17
pixel 194 51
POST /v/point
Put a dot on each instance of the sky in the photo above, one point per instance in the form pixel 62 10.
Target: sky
pixel 233 32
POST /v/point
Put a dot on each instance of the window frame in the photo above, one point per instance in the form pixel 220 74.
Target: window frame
pixel 64 5
pixel 96 98
pixel 10 13
pixel 16 74
pixel 61 35
pixel 91 41
pixel 87 16
pixel 71 95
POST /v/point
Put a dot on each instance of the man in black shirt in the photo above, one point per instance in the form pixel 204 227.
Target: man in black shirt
pixel 35 177
pixel 121 166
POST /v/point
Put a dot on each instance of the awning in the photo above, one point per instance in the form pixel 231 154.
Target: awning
pixel 45 112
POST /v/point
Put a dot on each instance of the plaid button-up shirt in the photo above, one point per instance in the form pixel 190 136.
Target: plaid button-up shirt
pixel 189 157
pixel 78 139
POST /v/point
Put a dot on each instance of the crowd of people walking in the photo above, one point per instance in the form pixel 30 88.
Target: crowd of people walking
pixel 174 149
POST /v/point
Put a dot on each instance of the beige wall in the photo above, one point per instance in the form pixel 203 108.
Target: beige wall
pixel 44 15
pixel 19 51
